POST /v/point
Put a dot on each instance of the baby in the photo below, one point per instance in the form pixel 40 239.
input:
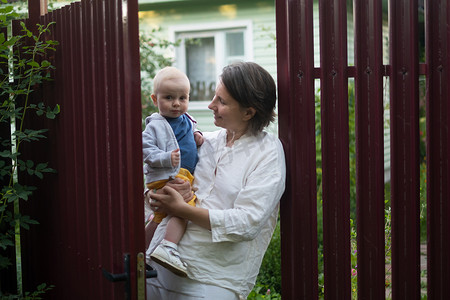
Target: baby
pixel 170 142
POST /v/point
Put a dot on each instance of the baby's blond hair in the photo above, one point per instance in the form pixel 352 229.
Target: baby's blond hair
pixel 168 73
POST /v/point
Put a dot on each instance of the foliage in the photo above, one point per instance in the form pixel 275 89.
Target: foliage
pixel 36 295
pixel 353 260
pixel 261 292
pixel 22 68
pixel 153 56
pixel 387 243
pixel 270 271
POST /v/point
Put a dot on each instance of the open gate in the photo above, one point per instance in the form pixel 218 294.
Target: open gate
pixel 91 214
pixel 296 74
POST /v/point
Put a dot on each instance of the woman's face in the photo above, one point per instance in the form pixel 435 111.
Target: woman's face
pixel 228 113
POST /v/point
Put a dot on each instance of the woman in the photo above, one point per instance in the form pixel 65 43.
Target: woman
pixel 239 180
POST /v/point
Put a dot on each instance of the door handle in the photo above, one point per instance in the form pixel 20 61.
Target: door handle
pixel 125 276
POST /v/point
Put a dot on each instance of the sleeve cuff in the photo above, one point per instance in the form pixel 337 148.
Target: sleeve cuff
pixel 218 229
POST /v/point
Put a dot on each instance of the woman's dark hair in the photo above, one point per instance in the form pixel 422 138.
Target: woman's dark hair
pixel 252 86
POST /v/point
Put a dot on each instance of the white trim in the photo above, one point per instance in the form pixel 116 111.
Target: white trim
pixel 216 30
pixel 209 26
pixel 199 105
pixel 219 53
pixel 212 26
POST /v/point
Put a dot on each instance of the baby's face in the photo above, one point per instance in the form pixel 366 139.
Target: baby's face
pixel 172 97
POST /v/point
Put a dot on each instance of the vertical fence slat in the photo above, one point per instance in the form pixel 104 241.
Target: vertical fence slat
pixel 369 149
pixel 112 125
pixel 112 261
pixel 438 148
pixel 335 152
pixel 131 113
pixel 79 140
pixel 91 137
pixel 83 138
pixel 404 149
pixel 61 232
pixel 297 132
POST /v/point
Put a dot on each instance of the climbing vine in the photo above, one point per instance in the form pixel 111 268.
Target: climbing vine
pixel 23 68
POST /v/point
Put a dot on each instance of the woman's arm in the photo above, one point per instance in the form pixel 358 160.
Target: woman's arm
pixel 255 203
pixel 171 202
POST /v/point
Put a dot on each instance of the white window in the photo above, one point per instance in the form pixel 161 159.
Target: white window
pixel 205 49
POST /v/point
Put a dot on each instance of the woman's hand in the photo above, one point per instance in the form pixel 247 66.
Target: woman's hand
pixel 198 137
pixel 167 200
pixel 183 187
pixel 172 199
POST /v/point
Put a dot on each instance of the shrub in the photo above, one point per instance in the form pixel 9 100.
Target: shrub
pixel 269 275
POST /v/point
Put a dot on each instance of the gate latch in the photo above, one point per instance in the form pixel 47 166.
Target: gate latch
pixel 125 276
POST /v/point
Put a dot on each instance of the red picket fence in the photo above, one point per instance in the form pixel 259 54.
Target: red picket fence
pixel 296 74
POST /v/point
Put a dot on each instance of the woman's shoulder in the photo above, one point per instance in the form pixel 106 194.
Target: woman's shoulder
pixel 267 138
pixel 266 144
pixel 213 135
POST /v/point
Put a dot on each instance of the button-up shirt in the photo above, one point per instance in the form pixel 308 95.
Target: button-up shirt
pixel 241 187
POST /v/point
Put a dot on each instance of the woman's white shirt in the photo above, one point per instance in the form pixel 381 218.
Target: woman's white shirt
pixel 241 187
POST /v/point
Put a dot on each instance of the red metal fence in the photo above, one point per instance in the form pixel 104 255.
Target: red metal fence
pixel 91 214
pixel 296 74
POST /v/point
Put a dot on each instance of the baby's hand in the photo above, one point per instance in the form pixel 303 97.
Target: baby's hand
pixel 198 137
pixel 175 157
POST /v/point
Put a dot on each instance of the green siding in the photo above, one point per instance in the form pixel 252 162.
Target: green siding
pixel 164 14
pixel 261 14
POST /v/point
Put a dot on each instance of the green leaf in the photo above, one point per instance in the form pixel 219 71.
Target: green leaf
pixel 33 64
pixel 30 135
pixel 5 153
pixel 9 154
pixel 7 9
pixel 29 163
pixel 17 192
pixel 25 221
pixel 45 63
pixel 5 242
pixel 4 262
pixel 50 115
pixel 11 197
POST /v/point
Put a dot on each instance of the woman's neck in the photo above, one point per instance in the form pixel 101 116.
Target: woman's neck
pixel 232 136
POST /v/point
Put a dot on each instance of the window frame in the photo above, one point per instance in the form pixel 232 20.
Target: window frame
pixel 216 30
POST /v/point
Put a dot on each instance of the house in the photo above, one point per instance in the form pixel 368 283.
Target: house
pixel 214 33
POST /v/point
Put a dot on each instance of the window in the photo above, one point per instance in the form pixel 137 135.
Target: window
pixel 205 49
